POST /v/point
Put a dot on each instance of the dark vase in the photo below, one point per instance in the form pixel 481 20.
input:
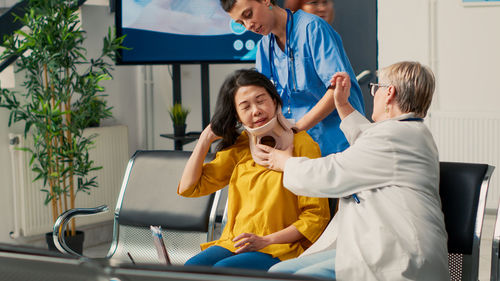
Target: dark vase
pixel 180 130
pixel 75 243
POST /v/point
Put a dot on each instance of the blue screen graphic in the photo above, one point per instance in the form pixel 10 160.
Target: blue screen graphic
pixel 171 31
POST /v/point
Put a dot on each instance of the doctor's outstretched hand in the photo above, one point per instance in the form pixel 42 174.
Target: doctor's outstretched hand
pixel 342 84
pixel 275 159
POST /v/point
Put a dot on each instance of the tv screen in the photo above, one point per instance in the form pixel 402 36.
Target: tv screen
pixel 181 31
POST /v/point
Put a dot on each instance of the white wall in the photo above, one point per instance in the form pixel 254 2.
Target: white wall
pixel 7 3
pixel 6 206
pixel 466 41
pixel 468 57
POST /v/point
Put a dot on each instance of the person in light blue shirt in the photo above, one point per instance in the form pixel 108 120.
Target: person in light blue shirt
pixel 300 52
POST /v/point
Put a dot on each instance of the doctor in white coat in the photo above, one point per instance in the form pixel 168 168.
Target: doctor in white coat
pixel 389 225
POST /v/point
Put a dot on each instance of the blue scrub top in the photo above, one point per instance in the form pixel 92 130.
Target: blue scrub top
pixel 318 54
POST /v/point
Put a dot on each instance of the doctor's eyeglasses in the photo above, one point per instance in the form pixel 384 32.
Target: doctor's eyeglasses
pixel 374 88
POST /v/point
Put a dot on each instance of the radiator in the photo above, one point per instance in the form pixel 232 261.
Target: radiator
pixel 32 217
pixel 470 137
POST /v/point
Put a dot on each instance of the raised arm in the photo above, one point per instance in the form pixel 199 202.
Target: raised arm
pixel 193 168
pixel 328 57
pixel 323 108
pixel 337 96
pixel 342 85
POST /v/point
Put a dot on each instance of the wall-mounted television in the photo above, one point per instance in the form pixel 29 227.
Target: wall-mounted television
pixel 181 31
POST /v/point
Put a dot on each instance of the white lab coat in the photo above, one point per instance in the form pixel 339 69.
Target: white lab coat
pixel 397 231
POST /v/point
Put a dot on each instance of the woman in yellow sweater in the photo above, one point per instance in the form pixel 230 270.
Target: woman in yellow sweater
pixel 266 223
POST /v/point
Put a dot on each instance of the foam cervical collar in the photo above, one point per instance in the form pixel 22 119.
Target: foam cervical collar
pixel 276 133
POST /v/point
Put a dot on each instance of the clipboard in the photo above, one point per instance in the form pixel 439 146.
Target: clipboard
pixel 160 245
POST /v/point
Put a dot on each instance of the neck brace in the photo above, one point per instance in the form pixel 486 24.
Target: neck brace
pixel 276 133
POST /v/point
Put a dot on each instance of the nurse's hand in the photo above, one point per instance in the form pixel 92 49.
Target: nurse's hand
pixel 249 242
pixel 273 158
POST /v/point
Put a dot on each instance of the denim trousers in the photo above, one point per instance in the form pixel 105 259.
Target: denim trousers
pixel 321 264
pixel 217 256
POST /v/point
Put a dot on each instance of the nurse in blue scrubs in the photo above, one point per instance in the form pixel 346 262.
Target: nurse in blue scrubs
pixel 300 52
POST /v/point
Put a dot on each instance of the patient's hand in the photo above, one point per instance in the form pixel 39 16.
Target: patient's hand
pixel 249 242
pixel 209 135
pixel 273 158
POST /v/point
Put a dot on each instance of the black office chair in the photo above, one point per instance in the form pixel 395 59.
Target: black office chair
pixel 149 197
pixel 463 188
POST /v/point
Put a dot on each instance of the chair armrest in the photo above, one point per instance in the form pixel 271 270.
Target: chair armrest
pixel 212 216
pixel 364 76
pixel 64 219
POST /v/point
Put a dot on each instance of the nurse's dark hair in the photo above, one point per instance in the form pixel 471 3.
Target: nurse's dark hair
pixel 228 5
pixel 225 121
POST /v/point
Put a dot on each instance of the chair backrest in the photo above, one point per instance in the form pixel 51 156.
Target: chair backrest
pixel 149 197
pixel 463 188
pixel 495 254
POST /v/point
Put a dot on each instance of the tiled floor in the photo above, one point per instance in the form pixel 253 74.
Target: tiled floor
pixel 485 251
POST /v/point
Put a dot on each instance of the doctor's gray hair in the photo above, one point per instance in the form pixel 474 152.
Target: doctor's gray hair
pixel 414 85
pixel 225 121
pixel 228 5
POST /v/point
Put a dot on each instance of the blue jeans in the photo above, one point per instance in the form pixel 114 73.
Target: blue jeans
pixel 217 256
pixel 320 264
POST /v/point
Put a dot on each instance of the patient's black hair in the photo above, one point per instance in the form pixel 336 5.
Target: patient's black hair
pixel 225 119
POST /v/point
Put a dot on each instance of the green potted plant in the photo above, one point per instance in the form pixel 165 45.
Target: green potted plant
pixel 59 88
pixel 89 111
pixel 178 114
